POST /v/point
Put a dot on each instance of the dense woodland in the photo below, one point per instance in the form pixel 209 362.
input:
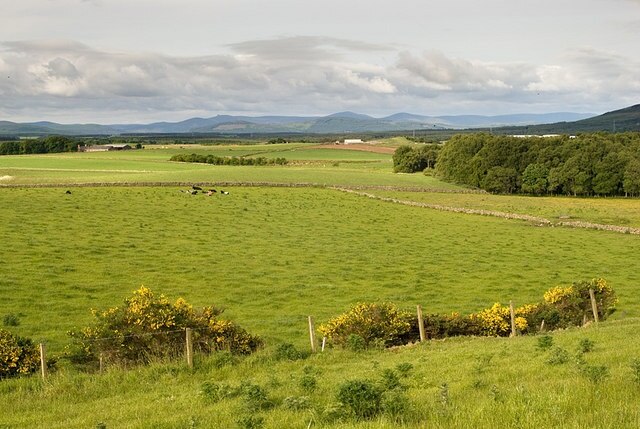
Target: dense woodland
pixel 50 144
pixel 599 164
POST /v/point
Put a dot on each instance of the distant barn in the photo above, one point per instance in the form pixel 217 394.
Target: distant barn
pixel 103 147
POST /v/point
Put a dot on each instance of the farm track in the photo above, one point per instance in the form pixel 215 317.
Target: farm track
pixel 359 190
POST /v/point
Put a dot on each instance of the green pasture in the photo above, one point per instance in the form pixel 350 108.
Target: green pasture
pixel 309 165
pixel 272 256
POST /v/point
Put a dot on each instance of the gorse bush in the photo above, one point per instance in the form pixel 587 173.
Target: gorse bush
pixel 17 355
pixel 371 322
pixel 149 326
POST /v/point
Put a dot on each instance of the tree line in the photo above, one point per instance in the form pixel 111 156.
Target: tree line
pixel 586 165
pixel 50 144
pixel 227 160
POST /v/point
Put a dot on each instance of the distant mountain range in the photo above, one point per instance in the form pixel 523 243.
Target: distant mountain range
pixel 338 123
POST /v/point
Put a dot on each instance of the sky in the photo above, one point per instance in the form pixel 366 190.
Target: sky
pixel 138 61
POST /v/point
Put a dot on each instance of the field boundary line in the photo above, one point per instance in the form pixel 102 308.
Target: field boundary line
pixel 357 190
pixel 242 184
pixel 539 221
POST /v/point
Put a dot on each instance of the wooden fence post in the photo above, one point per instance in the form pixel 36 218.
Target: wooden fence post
pixel 189 348
pixel 43 361
pixel 513 320
pixel 594 305
pixel 101 363
pixel 324 343
pixel 312 334
pixel 421 324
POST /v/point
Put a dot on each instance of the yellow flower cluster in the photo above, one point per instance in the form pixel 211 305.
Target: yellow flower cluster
pixel 16 357
pixel 496 321
pixel 558 293
pixel 493 321
pixel 371 321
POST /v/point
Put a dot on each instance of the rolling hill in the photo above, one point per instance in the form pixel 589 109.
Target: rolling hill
pixel 627 119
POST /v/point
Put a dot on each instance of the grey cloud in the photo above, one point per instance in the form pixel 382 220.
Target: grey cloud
pixel 304 48
pixel 62 68
pixel 278 76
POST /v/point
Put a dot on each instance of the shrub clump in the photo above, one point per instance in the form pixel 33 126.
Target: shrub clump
pixel 17 355
pixel 372 322
pixel 149 326
pixel 363 398
pixel 562 307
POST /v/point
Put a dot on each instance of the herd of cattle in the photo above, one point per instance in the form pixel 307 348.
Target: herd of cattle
pixel 209 192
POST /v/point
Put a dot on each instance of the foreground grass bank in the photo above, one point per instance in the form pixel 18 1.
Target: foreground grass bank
pixel 455 383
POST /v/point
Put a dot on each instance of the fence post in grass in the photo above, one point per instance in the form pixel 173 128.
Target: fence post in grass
pixel 101 362
pixel 542 326
pixel 312 334
pixel 594 305
pixel 421 324
pixel 189 348
pixel 43 362
pixel 324 343
pixel 513 320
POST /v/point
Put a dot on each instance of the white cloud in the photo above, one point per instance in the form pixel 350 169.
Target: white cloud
pixel 315 75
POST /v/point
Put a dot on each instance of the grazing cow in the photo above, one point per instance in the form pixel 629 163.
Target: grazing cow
pixel 213 191
pixel 68 192
pixel 196 188
pixel 224 192
pixel 194 192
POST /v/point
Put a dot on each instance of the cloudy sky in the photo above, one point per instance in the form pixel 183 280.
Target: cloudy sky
pixel 109 61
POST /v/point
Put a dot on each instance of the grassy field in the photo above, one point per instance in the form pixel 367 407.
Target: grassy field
pixel 456 383
pixel 273 256
pixel 309 165
pixel 614 211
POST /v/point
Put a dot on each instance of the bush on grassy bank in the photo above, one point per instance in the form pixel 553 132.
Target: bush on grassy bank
pixel 149 326
pixel 386 325
pixel 17 355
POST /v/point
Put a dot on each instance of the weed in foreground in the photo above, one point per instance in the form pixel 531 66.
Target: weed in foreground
pixel 545 342
pixel 362 397
pixel 586 345
pixel 558 356
pixel 595 373
pixel 635 370
pixel 250 422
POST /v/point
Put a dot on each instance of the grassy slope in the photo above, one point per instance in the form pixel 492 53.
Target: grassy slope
pixel 491 382
pixel 273 256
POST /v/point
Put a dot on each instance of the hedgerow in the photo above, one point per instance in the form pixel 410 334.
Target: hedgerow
pixel 563 306
pixel 149 326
